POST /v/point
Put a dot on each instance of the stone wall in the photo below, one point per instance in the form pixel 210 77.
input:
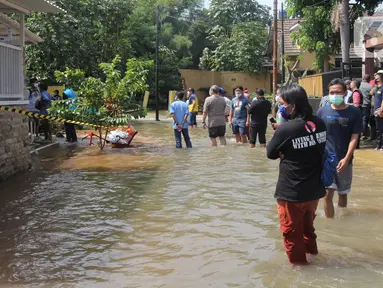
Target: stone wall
pixel 14 148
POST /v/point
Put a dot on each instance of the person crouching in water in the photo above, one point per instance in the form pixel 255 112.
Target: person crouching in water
pixel 180 112
pixel 300 144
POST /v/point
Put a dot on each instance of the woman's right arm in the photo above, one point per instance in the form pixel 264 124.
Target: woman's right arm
pixel 274 146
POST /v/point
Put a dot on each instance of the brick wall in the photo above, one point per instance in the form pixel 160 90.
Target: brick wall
pixel 14 148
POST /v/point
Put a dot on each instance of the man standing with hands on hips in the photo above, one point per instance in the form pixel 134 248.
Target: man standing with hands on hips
pixel 344 125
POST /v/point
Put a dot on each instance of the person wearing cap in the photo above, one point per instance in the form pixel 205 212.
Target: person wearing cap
pixel 193 107
pixel 228 103
pixel 70 129
pixel 33 93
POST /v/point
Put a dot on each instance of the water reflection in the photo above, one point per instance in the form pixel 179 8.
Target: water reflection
pixel 164 218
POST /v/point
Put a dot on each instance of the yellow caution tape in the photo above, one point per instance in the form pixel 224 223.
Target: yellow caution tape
pixel 48 117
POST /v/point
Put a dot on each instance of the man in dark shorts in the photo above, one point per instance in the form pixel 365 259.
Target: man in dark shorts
pixel 214 108
pixel 258 111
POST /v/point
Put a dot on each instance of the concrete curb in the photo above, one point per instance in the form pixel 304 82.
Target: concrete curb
pixel 44 147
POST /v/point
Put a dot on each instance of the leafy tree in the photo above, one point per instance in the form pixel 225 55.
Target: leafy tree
pixel 72 78
pixel 94 31
pixel 315 34
pixel 110 102
pixel 240 35
pixel 88 34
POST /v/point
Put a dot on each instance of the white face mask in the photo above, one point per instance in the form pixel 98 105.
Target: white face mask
pixel 36 85
pixel 238 94
pixel 277 98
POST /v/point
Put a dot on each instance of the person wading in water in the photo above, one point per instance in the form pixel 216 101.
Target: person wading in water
pixel 180 112
pixel 238 115
pixel 214 108
pixel 344 125
pixel 300 144
pixel 258 112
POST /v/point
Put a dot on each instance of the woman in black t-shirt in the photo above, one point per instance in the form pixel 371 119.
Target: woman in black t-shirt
pixel 300 144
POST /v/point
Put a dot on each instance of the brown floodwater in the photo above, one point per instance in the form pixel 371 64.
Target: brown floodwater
pixel 151 216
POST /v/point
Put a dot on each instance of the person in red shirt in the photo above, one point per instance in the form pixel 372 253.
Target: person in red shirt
pixel 356 98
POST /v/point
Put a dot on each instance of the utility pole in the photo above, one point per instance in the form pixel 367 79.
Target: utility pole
pixel 275 71
pixel 283 45
pixel 157 61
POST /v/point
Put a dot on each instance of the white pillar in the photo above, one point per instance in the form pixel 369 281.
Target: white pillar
pixel 22 60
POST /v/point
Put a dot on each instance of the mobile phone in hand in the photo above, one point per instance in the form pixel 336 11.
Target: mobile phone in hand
pixel 272 120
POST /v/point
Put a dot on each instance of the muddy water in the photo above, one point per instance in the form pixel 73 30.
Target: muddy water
pixel 155 217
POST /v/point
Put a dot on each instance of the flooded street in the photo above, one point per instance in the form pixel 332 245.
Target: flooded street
pixel 152 216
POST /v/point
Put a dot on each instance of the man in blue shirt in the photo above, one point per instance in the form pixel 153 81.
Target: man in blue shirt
pixel 43 103
pixel 344 125
pixel 238 115
pixel 378 104
pixel 180 112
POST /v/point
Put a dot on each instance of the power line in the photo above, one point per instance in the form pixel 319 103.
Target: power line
pixel 318 4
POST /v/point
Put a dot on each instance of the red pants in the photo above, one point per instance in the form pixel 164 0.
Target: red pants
pixel 297 226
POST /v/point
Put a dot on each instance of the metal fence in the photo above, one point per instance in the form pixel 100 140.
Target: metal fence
pixel 11 73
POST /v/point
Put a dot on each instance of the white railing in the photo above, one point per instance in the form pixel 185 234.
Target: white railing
pixel 11 74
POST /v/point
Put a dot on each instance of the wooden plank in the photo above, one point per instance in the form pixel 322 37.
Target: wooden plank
pixel 312 84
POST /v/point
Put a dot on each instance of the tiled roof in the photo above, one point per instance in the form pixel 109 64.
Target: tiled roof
pixel 290 48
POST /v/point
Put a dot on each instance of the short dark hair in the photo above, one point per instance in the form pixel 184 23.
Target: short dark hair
pixel 33 80
pixel 337 81
pixel 357 83
pixel 192 90
pixel 180 95
pixel 295 94
pixel 56 91
pixel 367 77
pixel 238 87
pixel 221 90
pixel 43 86
pixel 260 92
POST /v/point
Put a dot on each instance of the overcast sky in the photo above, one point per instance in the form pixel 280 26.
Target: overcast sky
pixel 269 3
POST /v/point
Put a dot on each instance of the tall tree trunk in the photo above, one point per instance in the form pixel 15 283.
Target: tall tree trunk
pixel 345 30
pixel 326 63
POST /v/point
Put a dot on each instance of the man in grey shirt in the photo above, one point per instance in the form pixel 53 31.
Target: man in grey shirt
pixel 214 108
pixel 365 89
